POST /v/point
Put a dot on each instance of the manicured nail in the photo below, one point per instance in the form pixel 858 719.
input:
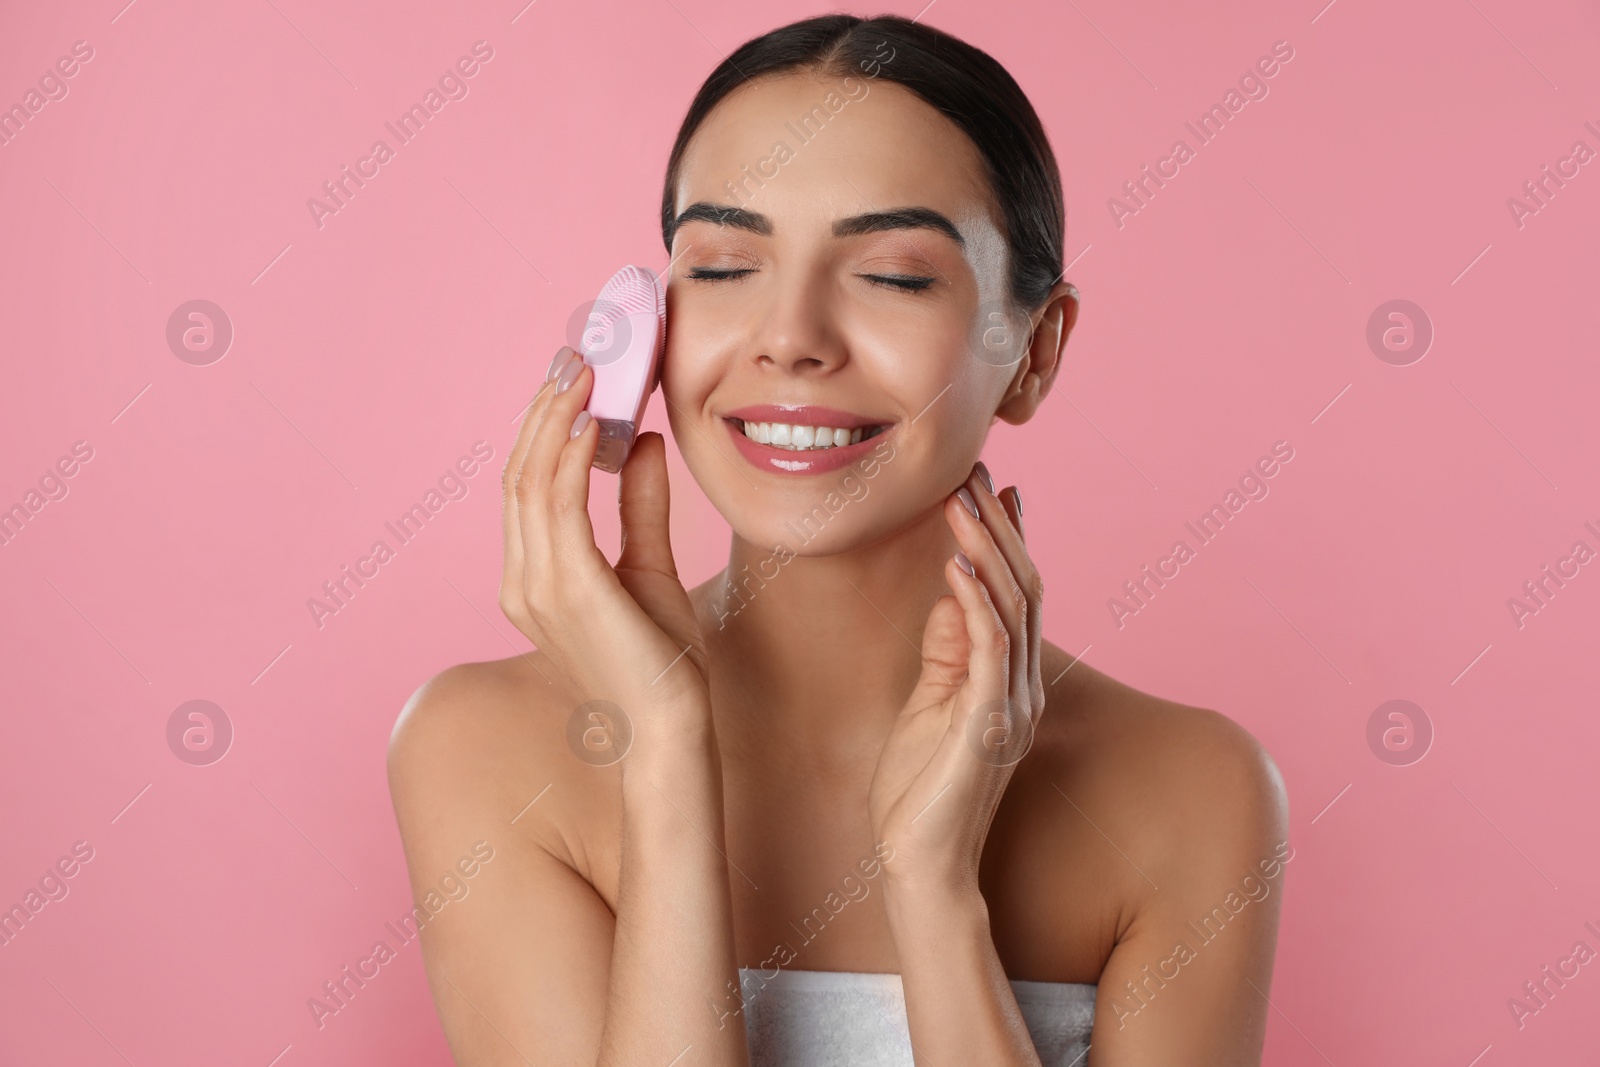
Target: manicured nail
pixel 562 355
pixel 1017 493
pixel 965 564
pixel 967 501
pixel 580 423
pixel 568 375
pixel 983 476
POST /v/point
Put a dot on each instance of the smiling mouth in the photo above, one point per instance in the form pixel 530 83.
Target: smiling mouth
pixel 795 437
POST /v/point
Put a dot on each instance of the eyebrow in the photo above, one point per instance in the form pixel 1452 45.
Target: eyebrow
pixel 905 218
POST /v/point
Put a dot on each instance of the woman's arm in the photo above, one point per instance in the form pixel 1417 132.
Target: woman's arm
pixel 518 967
pixel 941 775
pixel 559 982
pixel 674 991
pixel 529 966
pixel 959 1004
pixel 1212 818
pixel 1187 982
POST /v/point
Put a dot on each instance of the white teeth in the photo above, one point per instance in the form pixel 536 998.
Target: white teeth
pixel 804 438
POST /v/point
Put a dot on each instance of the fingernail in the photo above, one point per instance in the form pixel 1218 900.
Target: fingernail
pixel 568 375
pixel 965 564
pixel 562 355
pixel 580 424
pixel 983 476
pixel 1018 494
pixel 967 501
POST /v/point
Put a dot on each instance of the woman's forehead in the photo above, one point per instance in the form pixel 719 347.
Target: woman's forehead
pixel 808 144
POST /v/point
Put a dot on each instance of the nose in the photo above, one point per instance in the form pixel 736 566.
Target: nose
pixel 800 332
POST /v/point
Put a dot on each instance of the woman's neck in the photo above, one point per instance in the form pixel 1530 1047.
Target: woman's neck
pixel 819 653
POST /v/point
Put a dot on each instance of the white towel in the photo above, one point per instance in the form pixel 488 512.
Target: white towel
pixel 858 1019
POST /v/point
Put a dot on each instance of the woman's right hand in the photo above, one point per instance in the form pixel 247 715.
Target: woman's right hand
pixel 627 634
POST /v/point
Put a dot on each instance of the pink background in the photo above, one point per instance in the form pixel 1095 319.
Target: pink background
pixel 370 353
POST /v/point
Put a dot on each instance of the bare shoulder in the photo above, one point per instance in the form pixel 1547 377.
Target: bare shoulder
pixel 1180 784
pixel 1122 795
pixel 515 944
pixel 1186 755
pixel 464 715
pixel 474 696
pixel 485 744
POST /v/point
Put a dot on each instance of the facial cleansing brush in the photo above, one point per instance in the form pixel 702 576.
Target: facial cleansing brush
pixel 623 342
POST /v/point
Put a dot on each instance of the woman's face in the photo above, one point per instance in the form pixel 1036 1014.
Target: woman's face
pixel 832 294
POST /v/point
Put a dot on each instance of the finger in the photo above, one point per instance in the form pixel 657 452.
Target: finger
pixel 511 527
pixel 988 664
pixel 552 416
pixel 994 572
pixel 1033 584
pixel 531 414
pixel 615 600
pixel 570 534
pixel 645 565
pixel 554 409
pixel 514 565
pixel 1013 502
pixel 1008 538
pixel 643 499
pixel 988 682
pixel 1003 521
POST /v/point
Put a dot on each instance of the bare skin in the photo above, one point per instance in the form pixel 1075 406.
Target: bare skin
pixel 775 765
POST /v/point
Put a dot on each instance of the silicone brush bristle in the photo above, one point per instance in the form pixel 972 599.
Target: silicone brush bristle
pixel 631 291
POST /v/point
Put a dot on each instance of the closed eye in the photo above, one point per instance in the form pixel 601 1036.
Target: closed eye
pixel 709 274
pixel 906 283
pixel 909 283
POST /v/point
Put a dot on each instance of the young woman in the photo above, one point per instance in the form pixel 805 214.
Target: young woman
pixel 840 803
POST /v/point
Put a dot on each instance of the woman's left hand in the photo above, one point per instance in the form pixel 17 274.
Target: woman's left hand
pixel 973 712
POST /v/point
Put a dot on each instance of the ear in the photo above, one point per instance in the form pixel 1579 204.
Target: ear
pixel 1036 371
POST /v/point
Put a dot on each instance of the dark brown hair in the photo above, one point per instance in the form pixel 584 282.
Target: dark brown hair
pixel 964 83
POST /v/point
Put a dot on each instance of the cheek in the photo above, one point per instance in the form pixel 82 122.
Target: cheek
pixel 689 373
pixel 945 442
pixel 928 369
pixel 912 355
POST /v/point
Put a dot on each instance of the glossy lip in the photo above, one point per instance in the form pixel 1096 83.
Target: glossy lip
pixel 789 461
